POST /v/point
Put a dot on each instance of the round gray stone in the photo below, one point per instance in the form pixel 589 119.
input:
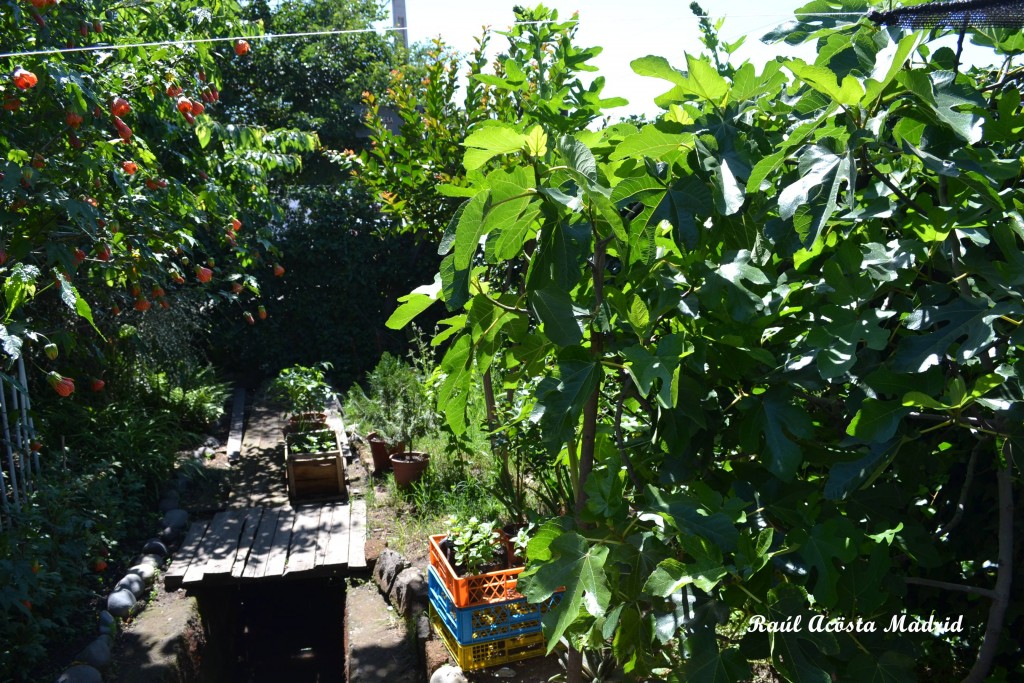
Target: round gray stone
pixel 176 519
pixel 106 618
pixel 120 603
pixel 145 570
pixel 171 536
pixel 155 546
pixel 168 503
pixel 132 582
pixel 448 674
pixel 96 653
pixel 156 560
pixel 81 673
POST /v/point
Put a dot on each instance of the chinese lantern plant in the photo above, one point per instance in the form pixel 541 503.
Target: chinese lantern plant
pixel 62 138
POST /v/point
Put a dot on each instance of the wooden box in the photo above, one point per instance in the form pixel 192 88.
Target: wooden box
pixel 316 475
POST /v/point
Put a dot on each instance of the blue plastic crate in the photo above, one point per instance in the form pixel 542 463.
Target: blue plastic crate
pixel 489 622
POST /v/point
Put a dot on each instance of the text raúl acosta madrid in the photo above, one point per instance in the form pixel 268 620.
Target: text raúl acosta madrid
pixel 819 623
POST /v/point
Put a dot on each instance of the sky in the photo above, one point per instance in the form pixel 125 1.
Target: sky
pixel 626 29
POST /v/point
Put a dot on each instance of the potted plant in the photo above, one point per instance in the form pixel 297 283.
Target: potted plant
pixel 412 417
pixel 396 407
pixel 473 546
pixel 306 393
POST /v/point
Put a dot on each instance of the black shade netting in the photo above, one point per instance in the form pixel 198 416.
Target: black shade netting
pixel 957 14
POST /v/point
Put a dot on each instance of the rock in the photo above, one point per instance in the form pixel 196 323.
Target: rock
pixel 388 566
pixel 168 503
pixel 155 546
pixel 171 536
pixel 449 674
pixel 134 583
pixel 97 653
pixel 106 618
pixel 423 627
pixel 145 570
pixel 120 603
pixel 81 673
pixel 409 593
pixel 505 672
pixel 156 560
pixel 204 452
pixel 211 442
pixel 176 519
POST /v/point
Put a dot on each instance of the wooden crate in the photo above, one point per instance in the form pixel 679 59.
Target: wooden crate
pixel 315 476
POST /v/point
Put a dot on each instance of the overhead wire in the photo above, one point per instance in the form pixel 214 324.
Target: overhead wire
pixel 332 32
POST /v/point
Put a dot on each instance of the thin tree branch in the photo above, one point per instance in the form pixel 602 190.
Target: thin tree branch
pixel 896 190
pixel 945 585
pixel 618 436
pixel 964 492
pixel 1006 80
pixel 1004 575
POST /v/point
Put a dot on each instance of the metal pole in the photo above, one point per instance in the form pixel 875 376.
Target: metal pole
pixel 10 454
pixel 18 446
pixel 26 443
pixel 400 21
pixel 30 427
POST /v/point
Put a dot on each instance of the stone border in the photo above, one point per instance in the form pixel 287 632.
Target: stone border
pixel 128 596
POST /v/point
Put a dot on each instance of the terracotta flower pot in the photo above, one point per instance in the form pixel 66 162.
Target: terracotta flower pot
pixel 381 451
pixel 409 467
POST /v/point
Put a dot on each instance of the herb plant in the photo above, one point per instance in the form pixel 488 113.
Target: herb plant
pixel 313 442
pixel 474 541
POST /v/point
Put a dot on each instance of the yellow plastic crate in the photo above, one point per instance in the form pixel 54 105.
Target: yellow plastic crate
pixel 489 653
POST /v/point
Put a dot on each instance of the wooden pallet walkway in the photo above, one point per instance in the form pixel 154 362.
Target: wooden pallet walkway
pixel 262 535
pixel 271 543
pixel 258 477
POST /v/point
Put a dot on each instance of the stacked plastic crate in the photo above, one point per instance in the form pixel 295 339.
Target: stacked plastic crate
pixel 482 619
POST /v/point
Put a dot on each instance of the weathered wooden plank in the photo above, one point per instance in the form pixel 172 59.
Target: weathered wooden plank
pixel 234 447
pixel 225 545
pixel 183 558
pixel 261 547
pixel 277 560
pixel 302 551
pixel 340 467
pixel 323 534
pixel 214 535
pixel 337 548
pixel 246 540
pixel 357 535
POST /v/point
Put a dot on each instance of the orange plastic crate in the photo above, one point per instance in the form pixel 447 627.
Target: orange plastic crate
pixel 490 653
pixel 478 589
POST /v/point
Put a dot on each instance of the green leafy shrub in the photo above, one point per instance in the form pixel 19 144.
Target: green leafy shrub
pixel 303 389
pixel 395 404
pixel 198 404
pixel 81 511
